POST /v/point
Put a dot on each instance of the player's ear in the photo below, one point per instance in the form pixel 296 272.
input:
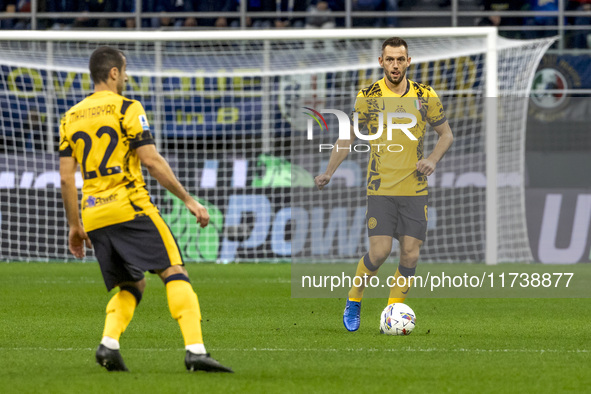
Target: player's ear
pixel 381 61
pixel 114 73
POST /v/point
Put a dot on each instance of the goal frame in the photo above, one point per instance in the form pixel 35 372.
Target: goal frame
pixel 158 37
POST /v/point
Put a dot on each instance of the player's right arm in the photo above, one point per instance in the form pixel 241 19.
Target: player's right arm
pixel 77 237
pixel 159 168
pixel 339 153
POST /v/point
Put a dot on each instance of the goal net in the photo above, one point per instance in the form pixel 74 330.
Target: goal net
pixel 226 110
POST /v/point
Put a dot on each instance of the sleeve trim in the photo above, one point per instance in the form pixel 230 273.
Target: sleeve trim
pixel 439 122
pixel 137 144
pixel 67 152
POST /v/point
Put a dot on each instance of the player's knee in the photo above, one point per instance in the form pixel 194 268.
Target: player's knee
pixel 136 292
pixel 178 276
pixel 409 256
pixel 379 255
pixel 172 271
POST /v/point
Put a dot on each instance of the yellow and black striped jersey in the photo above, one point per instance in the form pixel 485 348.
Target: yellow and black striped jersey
pixel 102 132
pixel 392 165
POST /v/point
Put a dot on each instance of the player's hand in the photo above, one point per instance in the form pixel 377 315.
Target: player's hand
pixel 321 181
pixel 77 239
pixel 199 211
pixel 426 166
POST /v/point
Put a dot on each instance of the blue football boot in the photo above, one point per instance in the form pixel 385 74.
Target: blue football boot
pixel 351 317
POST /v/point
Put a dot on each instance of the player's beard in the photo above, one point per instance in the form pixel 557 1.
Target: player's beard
pixel 395 81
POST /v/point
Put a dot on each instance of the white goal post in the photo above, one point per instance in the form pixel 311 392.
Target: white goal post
pixel 223 112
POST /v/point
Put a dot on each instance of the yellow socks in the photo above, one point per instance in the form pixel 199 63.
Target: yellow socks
pixel 183 305
pixel 400 287
pixel 120 311
pixel 184 308
pixel 364 267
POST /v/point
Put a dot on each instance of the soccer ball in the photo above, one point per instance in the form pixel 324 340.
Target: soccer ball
pixel 397 319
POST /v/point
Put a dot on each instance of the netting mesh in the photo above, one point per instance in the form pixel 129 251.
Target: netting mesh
pixel 228 118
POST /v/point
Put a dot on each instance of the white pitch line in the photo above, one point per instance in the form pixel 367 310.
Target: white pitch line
pixel 407 349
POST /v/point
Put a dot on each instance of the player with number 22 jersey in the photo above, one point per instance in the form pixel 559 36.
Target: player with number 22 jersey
pixel 114 188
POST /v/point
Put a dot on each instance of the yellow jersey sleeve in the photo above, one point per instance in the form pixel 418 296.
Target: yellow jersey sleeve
pixel 135 123
pixel 435 113
pixel 362 111
pixel 65 148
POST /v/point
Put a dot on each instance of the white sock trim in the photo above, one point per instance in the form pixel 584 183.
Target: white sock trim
pixel 196 348
pixel 111 343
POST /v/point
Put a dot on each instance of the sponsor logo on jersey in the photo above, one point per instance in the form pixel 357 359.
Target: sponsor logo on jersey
pixel 92 202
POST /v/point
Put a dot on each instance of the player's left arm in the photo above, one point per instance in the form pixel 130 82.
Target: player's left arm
pixel 77 238
pixel 446 138
pixel 159 168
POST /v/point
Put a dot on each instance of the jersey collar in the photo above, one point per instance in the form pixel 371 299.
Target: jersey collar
pixel 407 86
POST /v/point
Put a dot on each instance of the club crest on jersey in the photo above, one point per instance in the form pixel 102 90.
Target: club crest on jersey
pixel 144 122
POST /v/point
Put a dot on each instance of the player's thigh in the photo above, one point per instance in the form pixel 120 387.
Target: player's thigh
pixel 412 217
pixel 146 243
pixel 381 216
pixel 112 265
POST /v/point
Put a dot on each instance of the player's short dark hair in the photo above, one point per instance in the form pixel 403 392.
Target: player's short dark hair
pixel 395 42
pixel 102 60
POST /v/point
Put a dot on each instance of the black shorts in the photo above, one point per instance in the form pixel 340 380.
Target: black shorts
pixel 126 250
pixel 397 215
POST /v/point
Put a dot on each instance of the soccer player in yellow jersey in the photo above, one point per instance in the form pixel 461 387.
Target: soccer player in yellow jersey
pixel 109 137
pixel 397 171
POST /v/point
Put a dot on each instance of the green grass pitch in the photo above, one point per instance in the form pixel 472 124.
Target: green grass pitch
pixel 51 318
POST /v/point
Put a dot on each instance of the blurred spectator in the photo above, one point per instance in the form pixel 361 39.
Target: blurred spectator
pixel 85 6
pixel 542 20
pixel 391 5
pixel 172 6
pixel 375 5
pixel 256 6
pixel 495 20
pixel 15 6
pixel 582 38
pixel 212 6
pixel 62 6
pixel 287 6
pixel 158 6
pixel 337 6
pixel 320 17
pixel 7 6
